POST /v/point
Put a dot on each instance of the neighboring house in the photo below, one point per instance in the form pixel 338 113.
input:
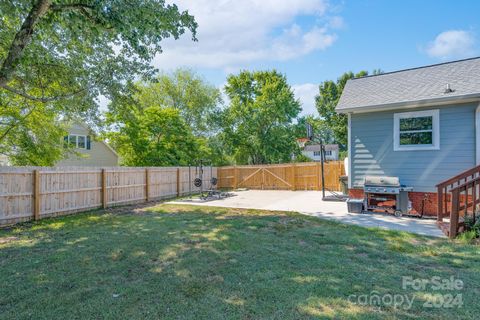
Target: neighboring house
pixel 4 160
pixel 420 124
pixel 312 151
pixel 93 153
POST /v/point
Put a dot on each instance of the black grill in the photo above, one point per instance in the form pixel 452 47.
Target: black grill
pixel 386 194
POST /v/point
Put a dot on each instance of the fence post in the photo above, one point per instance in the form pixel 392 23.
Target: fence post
pixel 454 214
pixel 36 194
pixel 104 189
pixel 440 204
pixel 178 182
pixel 235 177
pixel 317 173
pixel 147 185
pixel 294 177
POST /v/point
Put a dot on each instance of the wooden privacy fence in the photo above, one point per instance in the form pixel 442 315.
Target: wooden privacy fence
pixel 38 192
pixel 291 176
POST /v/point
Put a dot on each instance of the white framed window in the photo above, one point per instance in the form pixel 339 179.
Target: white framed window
pixel 328 152
pixel 316 153
pixel 77 141
pixel 418 130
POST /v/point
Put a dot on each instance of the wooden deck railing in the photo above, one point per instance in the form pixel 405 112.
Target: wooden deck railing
pixel 456 196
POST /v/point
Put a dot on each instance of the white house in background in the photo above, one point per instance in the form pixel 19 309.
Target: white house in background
pixel 312 151
pixel 4 160
pixel 92 152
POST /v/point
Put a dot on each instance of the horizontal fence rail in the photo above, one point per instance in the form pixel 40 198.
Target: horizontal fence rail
pixel 291 176
pixel 37 192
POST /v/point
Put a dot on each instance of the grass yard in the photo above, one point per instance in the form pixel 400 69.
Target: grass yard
pixel 181 262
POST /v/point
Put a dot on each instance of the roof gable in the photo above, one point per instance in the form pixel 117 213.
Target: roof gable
pixel 88 130
pixel 418 86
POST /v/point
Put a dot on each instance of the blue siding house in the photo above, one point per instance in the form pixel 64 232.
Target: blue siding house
pixel 421 125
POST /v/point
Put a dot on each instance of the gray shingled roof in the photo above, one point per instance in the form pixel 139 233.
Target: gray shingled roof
pixel 413 86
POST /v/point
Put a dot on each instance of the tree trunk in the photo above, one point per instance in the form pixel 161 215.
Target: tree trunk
pixel 21 40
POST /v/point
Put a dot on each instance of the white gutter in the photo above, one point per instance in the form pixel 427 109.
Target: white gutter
pixel 412 104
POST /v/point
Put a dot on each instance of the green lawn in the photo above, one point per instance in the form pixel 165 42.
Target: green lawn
pixel 181 262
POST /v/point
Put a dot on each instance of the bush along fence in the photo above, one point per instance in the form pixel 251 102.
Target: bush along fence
pixel 37 192
pixel 291 176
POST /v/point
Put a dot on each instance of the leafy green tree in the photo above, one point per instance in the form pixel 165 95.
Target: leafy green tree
pixel 326 101
pixel 58 56
pixel 154 136
pixel 166 122
pixel 33 136
pixel 319 126
pixel 196 100
pixel 334 125
pixel 258 123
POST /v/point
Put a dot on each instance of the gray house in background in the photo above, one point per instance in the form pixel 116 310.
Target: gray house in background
pixel 91 152
pixel 420 124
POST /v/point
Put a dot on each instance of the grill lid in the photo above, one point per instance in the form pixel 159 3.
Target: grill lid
pixel 382 181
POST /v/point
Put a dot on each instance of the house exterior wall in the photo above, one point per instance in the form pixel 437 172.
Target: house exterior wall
pixel 372 151
pixel 99 154
pixel 310 154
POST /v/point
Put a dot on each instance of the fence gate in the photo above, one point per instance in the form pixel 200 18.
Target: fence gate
pixel 265 178
pixel 299 176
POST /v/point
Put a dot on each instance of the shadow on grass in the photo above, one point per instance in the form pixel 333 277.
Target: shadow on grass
pixel 215 263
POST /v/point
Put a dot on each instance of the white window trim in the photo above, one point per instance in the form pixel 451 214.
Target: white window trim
pixel 76 140
pixel 435 114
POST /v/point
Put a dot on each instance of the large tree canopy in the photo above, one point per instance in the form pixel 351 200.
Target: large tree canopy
pixel 195 99
pixel 326 101
pixel 165 122
pixel 258 123
pixel 154 136
pixel 57 56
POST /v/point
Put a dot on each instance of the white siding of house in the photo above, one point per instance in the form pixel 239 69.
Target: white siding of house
pixel 99 154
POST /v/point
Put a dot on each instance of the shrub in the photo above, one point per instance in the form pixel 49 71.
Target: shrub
pixel 467 236
pixel 473 225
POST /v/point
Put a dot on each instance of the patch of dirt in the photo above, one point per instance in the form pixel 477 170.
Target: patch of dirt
pixel 7 240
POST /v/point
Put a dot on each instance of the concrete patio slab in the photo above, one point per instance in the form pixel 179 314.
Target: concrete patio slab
pixel 310 203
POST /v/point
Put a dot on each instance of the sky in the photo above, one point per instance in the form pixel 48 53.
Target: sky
pixel 311 41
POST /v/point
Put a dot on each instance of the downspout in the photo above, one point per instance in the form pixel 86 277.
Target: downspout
pixel 477 135
pixel 349 150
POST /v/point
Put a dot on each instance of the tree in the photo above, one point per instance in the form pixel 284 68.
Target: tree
pixel 195 99
pixel 155 136
pixel 58 56
pixel 319 126
pixel 258 123
pixel 166 121
pixel 326 101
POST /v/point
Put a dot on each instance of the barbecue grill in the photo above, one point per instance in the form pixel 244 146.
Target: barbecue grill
pixel 386 194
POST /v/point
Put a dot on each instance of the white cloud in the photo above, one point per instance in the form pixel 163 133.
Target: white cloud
pixel 306 93
pixel 232 33
pixel 336 22
pixel 452 44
